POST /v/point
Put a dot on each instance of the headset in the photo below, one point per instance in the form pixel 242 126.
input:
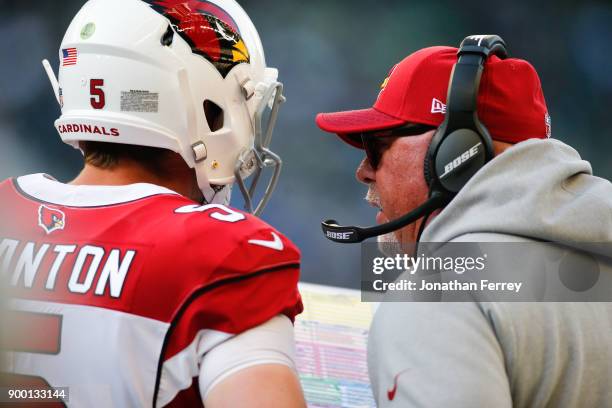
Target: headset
pixel 460 147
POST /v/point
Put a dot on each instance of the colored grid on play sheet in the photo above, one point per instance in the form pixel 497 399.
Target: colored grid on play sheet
pixel 331 340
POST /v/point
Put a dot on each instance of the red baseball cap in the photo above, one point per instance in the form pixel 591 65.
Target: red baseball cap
pixel 510 100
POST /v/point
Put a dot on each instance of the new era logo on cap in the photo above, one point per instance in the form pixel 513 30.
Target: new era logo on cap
pixel 437 106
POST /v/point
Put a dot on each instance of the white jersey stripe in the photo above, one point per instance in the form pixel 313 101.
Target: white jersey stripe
pixel 44 188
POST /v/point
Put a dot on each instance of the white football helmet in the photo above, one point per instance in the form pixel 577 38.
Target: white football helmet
pixel 141 72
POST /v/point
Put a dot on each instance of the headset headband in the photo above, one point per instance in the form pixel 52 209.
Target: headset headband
pixel 465 79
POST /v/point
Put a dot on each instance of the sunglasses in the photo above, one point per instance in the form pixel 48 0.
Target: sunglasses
pixel 377 143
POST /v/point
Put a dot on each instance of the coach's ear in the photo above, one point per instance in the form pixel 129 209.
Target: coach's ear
pixel 266 385
pixel 500 147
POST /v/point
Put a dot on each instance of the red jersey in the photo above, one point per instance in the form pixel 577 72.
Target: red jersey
pixel 118 291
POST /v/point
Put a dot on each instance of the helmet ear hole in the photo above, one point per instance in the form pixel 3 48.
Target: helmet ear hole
pixel 168 37
pixel 214 115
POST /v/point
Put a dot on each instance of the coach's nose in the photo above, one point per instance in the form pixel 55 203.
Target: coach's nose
pixel 365 173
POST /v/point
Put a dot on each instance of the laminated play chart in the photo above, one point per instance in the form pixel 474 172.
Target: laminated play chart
pixel 331 339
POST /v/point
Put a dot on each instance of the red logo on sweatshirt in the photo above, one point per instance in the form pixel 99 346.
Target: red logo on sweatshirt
pixel 391 392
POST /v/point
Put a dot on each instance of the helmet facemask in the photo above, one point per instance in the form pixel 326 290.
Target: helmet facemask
pixel 252 162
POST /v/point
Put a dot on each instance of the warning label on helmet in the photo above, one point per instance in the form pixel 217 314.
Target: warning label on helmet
pixel 139 101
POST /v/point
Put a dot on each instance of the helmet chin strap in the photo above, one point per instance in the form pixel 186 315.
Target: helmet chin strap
pixel 353 234
pixel 217 194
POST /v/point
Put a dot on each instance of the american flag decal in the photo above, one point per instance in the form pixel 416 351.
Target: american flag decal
pixel 69 56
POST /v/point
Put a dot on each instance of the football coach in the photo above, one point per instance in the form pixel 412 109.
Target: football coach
pixel 458 148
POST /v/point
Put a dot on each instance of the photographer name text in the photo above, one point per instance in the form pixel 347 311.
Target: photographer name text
pixel 450 286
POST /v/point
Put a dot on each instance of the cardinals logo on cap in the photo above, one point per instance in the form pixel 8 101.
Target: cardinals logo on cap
pixel 386 81
pixel 51 219
pixel 208 29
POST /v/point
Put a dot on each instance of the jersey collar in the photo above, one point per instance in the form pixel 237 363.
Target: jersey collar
pixel 43 187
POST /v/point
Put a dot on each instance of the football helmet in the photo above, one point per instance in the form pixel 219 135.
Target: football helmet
pixel 185 75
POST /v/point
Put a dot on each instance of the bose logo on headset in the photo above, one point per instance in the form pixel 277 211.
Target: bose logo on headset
pixel 458 161
pixel 339 235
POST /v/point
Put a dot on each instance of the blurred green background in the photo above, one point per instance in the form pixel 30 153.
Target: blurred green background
pixel 331 55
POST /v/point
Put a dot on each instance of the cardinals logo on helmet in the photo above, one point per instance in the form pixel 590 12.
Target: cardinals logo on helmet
pixel 208 29
pixel 51 219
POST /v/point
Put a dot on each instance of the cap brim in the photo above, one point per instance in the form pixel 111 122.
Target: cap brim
pixel 356 121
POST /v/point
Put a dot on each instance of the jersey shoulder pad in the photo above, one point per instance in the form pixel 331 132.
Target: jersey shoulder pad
pixel 237 242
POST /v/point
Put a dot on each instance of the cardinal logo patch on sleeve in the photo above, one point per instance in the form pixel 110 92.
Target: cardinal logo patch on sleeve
pixel 51 219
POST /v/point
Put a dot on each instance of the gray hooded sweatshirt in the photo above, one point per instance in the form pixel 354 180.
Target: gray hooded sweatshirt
pixel 506 354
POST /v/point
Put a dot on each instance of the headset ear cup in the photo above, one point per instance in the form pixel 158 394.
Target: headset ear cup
pixel 458 157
